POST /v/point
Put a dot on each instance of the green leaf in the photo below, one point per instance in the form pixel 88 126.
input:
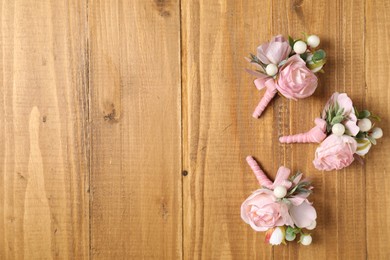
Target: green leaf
pixel 328 128
pixel 291 41
pixel 356 112
pixel 297 230
pixel 337 119
pixel 372 140
pixel 361 135
pixel 340 112
pixel 303 56
pixel 364 114
pixel 377 118
pixel 329 115
pixel 294 176
pixel 313 65
pixel 318 56
pixel 300 187
pixel 290 230
pixel 336 106
pixel 254 58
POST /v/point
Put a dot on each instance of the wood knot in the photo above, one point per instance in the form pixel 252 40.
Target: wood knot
pixel 111 115
pixel 164 210
pixel 297 4
pixel 161 6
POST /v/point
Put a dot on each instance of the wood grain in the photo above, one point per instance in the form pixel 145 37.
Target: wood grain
pixel 214 97
pixel 125 126
pixel 44 184
pixel 218 101
pixel 136 210
pixel 377 99
pixel 340 215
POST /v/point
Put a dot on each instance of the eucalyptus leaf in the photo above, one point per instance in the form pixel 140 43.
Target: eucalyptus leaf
pixel 293 190
pixel 337 119
pixel 292 178
pixel 290 230
pixel 372 140
pixel 377 118
pixel 329 115
pixel 318 55
pixel 255 59
pixel 291 41
pixel 361 135
pixel 313 65
pixel 328 128
pixel 364 114
pixel 340 112
pixel 297 230
pixel 356 112
pixel 303 56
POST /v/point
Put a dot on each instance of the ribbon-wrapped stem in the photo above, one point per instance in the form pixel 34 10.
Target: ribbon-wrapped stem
pixel 260 175
pixel 316 135
pixel 268 96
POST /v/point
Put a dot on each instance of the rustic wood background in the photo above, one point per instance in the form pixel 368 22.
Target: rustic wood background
pixel 104 105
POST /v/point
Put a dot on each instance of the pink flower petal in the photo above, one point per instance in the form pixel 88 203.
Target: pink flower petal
pixel 282 178
pixel 303 215
pixel 352 127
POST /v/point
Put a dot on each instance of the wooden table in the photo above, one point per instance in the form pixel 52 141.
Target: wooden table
pixel 125 126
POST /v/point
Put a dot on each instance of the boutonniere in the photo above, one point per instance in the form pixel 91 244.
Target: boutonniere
pixel 280 208
pixel 344 134
pixel 287 67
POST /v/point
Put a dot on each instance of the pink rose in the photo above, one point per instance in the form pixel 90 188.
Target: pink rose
pixel 274 51
pixel 295 79
pixel 344 103
pixel 335 153
pixel 261 211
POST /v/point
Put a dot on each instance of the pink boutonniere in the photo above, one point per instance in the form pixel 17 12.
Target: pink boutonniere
pixel 281 207
pixel 344 134
pixel 287 67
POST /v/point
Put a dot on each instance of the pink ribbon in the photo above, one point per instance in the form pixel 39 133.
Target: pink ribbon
pixel 269 94
pixel 315 135
pixel 280 180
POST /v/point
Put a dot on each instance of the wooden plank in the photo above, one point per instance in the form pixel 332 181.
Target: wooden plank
pixel 212 44
pixel 219 131
pixel 377 189
pixel 135 87
pixel 340 214
pixel 44 185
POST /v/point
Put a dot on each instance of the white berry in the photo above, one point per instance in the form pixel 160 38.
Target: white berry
pixel 300 47
pixel 312 225
pixel 313 41
pixel 364 124
pixel 377 133
pixel 306 240
pixel 280 192
pixel 290 236
pixel 271 69
pixel 338 129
